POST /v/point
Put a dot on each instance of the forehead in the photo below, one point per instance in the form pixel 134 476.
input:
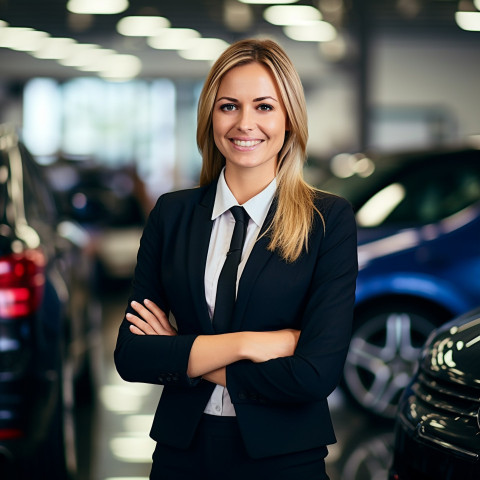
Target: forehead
pixel 254 78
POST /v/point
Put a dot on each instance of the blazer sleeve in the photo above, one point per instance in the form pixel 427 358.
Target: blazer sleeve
pixel 152 358
pixel 315 369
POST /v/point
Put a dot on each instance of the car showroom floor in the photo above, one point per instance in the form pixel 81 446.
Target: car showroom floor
pixel 114 442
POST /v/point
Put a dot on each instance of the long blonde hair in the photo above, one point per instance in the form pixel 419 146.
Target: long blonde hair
pixel 294 217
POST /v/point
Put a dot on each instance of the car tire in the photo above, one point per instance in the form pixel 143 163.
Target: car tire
pixel 384 350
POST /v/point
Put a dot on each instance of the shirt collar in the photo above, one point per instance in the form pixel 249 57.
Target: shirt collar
pixel 257 207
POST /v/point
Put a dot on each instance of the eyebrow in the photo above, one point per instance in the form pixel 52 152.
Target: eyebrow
pixel 259 99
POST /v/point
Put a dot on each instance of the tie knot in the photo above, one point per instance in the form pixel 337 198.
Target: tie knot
pixel 239 214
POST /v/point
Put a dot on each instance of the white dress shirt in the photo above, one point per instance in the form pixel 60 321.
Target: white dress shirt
pixel 257 209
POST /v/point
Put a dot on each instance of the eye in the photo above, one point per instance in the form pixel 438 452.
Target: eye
pixel 228 107
pixel 265 107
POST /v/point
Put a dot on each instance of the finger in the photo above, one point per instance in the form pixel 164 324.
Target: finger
pixel 150 318
pixel 160 315
pixel 136 330
pixel 141 325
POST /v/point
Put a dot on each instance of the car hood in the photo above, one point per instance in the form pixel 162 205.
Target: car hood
pixel 451 353
pixel 367 235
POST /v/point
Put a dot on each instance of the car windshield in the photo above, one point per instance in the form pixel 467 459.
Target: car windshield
pixel 411 190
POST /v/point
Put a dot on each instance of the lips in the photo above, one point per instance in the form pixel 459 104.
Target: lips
pixel 245 143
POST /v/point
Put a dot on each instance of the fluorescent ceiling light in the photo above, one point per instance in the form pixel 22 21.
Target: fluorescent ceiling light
pixel 291 14
pixel 313 32
pixel 173 39
pixel 204 49
pixel 21 38
pixel 80 54
pixel 96 60
pixel 268 2
pixel 468 20
pixel 100 7
pixel 141 26
pixel 121 67
pixel 54 48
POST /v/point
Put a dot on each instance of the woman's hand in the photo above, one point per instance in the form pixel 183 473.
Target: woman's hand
pixel 151 320
pixel 263 346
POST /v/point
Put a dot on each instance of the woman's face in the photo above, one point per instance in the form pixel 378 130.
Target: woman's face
pixel 249 119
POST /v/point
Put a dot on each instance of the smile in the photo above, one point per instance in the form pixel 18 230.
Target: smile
pixel 245 143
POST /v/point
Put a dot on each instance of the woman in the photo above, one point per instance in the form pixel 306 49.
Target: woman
pixel 245 390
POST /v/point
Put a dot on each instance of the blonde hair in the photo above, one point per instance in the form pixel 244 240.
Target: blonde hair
pixel 294 217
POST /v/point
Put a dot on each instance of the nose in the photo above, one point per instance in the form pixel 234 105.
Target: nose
pixel 246 120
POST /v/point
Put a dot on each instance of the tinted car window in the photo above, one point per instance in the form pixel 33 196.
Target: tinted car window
pixel 417 191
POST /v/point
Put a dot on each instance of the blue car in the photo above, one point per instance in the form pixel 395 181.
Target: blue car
pixel 418 221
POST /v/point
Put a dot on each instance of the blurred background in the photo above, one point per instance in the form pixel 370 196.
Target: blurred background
pixel 98 103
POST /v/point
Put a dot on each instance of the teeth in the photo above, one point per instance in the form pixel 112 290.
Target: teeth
pixel 246 143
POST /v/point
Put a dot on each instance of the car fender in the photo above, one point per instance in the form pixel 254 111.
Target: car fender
pixel 416 285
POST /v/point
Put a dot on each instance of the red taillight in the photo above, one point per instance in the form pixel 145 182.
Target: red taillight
pixel 10 433
pixel 22 280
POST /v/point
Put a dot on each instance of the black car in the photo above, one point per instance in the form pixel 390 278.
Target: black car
pixel 47 316
pixel 437 431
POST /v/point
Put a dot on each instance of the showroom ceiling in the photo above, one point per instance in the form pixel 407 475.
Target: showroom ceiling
pixel 224 19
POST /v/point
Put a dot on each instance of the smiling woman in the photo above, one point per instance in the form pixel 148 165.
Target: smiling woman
pixel 258 269
pixel 249 126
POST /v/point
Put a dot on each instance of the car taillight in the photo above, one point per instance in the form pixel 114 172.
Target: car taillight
pixel 22 278
pixel 10 433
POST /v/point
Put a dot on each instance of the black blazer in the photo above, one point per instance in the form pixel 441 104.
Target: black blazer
pixel 281 405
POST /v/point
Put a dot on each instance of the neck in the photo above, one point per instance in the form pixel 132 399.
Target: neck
pixel 247 183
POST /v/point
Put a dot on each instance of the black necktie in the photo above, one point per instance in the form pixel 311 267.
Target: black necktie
pixel 227 281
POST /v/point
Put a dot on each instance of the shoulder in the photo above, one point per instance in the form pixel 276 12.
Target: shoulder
pixel 179 200
pixel 183 196
pixel 328 204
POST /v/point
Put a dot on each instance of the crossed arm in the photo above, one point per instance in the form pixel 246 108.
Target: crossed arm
pixel 210 354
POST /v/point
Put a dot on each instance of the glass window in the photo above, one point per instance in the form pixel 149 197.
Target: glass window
pixel 425 192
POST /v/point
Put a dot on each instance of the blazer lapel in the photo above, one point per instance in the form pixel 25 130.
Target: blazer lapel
pixel 200 231
pixel 256 262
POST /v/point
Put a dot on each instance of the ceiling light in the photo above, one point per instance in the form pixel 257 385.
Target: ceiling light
pixel 141 26
pixel 291 14
pixel 54 48
pixel 314 32
pixel 96 60
pixel 79 55
pixel 173 39
pixel 21 38
pixel 204 49
pixel 121 67
pixel 268 2
pixel 100 7
pixel 468 21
